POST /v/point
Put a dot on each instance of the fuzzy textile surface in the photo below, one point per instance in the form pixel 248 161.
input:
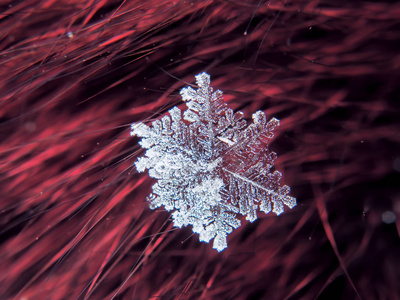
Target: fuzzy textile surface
pixel 74 220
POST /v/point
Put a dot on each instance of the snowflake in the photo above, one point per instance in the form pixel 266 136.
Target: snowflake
pixel 210 166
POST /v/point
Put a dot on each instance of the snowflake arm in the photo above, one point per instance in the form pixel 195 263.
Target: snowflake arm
pixel 210 168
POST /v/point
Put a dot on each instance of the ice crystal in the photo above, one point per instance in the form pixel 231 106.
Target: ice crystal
pixel 210 166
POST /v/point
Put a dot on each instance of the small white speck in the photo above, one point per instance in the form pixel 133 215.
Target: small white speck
pixel 388 217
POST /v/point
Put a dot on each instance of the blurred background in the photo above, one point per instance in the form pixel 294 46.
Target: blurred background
pixel 74 220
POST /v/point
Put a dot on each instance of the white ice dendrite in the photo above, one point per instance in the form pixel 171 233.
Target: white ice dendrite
pixel 210 166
